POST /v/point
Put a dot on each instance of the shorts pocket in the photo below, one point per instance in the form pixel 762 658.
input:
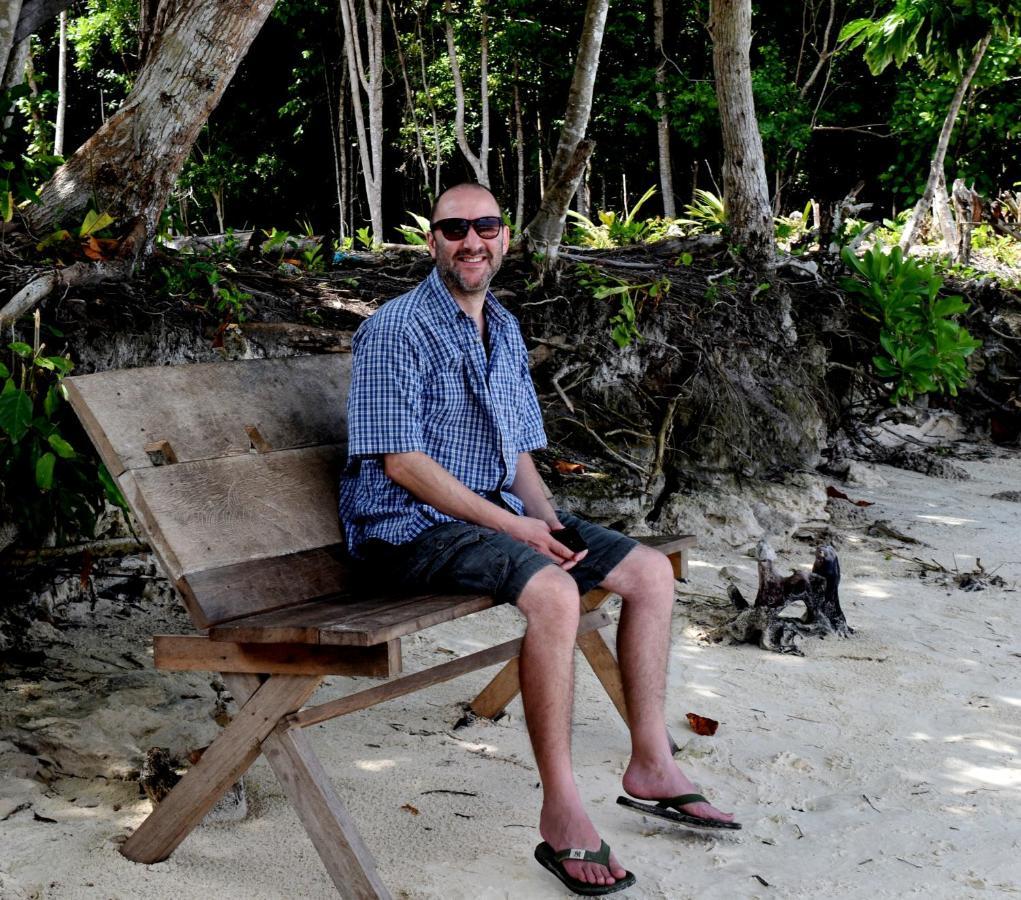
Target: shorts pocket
pixel 473 566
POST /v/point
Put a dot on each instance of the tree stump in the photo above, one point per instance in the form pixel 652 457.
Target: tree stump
pixel 762 623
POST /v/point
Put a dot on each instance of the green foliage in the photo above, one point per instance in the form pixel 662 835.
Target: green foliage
pixel 1000 247
pixel 630 297
pixel 614 230
pixel 707 213
pixel 195 278
pixel 49 485
pixel 415 234
pixel 925 349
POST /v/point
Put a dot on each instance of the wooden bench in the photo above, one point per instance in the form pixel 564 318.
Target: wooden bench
pixel 231 471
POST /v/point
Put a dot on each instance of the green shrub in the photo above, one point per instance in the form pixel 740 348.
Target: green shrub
pixel 615 230
pixel 49 485
pixel 924 348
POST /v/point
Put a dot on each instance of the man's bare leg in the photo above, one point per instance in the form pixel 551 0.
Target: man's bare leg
pixel 645 581
pixel 550 604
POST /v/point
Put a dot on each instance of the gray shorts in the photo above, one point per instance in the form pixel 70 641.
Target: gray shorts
pixel 459 556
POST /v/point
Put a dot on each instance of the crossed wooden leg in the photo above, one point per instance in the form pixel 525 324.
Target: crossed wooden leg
pixel 254 730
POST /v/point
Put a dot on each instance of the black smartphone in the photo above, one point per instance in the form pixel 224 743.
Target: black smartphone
pixel 570 538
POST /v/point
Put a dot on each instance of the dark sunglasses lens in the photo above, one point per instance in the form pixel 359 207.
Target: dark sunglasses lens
pixel 453 229
pixel 488 226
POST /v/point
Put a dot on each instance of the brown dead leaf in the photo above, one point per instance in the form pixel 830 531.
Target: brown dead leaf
pixel 568 468
pixel 840 495
pixel 411 809
pixel 99 248
pixel 702 724
pixel 83 576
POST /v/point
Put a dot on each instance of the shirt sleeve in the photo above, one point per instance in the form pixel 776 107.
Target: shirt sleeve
pixel 531 434
pixel 384 404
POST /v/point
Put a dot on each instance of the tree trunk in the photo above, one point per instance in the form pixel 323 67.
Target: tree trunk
pixel 58 128
pixel 480 163
pixel 666 178
pixel 130 164
pixel 370 80
pixel 437 150
pixel 519 132
pixel 546 230
pixel 10 13
pixel 745 189
pixel 410 99
pixel 914 222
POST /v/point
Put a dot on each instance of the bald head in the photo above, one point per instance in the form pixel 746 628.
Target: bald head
pixel 452 197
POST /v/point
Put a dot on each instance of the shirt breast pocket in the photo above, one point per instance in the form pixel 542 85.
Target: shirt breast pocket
pixel 445 393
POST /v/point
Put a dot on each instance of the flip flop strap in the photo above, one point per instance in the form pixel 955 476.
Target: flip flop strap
pixel 600 856
pixel 682 800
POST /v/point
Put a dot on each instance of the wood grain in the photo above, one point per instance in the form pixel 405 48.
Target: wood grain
pixel 355 620
pixel 434 675
pixel 202 410
pixel 220 766
pixel 180 652
pixel 214 513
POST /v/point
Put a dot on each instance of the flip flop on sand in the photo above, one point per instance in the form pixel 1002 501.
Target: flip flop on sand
pixel 553 861
pixel 670 809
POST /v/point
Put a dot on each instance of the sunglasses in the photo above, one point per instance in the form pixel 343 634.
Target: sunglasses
pixel 486 227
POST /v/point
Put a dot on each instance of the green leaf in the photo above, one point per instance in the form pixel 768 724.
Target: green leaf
pixel 44 471
pixel 4 371
pixel 51 401
pixel 22 349
pixel 94 222
pixel 61 363
pixel 62 448
pixel 113 493
pixel 15 412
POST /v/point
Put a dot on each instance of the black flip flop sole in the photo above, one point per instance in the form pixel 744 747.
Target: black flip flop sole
pixel 544 855
pixel 695 823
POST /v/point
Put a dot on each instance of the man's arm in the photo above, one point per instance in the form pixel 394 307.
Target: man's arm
pixel 420 474
pixel 529 489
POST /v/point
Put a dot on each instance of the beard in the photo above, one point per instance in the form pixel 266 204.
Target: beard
pixel 468 283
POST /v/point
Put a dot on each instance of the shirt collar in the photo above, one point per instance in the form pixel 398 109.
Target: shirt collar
pixel 441 303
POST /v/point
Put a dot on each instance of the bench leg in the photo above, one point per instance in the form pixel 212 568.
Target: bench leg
pixel 220 766
pixel 495 696
pixel 326 819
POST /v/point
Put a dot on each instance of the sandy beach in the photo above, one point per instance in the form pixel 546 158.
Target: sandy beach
pixel 887 765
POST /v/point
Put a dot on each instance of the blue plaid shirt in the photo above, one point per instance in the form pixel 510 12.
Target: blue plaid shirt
pixel 422 382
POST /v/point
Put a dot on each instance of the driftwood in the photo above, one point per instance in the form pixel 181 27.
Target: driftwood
pixel 762 623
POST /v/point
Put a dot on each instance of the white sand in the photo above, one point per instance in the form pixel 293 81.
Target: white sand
pixel 886 765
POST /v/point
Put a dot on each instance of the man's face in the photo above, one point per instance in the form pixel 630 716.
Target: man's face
pixel 468 265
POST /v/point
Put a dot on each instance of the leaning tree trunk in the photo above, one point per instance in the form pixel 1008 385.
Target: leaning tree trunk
pixel 914 222
pixel 480 163
pixel 666 177
pixel 745 189
pixel 130 164
pixel 546 230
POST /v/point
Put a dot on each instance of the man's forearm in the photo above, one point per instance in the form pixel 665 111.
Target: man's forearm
pixel 529 489
pixel 420 474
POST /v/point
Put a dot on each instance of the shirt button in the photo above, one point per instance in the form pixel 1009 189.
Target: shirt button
pixel 440 545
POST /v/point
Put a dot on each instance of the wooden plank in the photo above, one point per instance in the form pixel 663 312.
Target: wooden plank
pixel 351 621
pixel 419 680
pixel 262 585
pixel 326 819
pixel 505 685
pixel 604 664
pixel 179 653
pixel 220 766
pixel 494 698
pixel 202 410
pixel 220 512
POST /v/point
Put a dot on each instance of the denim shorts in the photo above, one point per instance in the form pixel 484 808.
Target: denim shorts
pixel 461 557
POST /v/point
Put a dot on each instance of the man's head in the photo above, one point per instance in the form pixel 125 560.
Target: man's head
pixel 467 264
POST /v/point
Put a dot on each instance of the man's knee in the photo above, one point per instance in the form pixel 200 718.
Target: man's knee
pixel 550 600
pixel 644 572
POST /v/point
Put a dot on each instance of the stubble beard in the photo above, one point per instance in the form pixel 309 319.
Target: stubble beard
pixel 456 281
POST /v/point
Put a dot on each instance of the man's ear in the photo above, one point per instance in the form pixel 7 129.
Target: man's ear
pixel 430 240
pixel 506 238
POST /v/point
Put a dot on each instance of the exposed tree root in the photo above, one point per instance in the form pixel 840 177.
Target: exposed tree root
pixel 78 274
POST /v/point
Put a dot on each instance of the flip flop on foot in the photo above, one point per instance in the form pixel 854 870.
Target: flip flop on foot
pixel 553 861
pixel 670 809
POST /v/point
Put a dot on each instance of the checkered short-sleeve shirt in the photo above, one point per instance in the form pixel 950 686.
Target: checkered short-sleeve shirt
pixel 422 382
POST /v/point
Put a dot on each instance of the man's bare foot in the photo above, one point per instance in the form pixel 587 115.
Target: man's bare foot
pixel 570 827
pixel 658 780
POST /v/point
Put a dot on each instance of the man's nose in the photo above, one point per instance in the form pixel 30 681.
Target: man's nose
pixel 472 241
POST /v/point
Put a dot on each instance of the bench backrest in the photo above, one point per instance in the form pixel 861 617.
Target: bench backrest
pixel 231 470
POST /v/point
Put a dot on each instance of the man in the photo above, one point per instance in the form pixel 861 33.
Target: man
pixel 440 487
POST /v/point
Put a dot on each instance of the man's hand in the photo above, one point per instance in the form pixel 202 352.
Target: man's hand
pixel 538 535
